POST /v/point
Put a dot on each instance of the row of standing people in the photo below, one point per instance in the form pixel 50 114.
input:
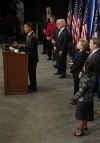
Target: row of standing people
pixel 61 42
pixel 86 72
pixel 85 69
pixel 58 42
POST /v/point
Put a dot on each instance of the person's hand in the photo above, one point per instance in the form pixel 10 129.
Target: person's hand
pixel 54 49
pixel 15 44
pixel 84 68
pixel 48 38
pixel 44 30
pixel 60 53
pixel 80 75
pixel 53 41
pixel 19 46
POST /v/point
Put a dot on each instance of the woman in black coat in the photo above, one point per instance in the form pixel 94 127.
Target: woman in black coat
pixel 78 61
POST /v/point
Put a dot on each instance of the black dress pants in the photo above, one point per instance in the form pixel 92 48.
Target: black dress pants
pixel 56 58
pixel 50 49
pixel 76 81
pixel 45 45
pixel 62 63
pixel 32 73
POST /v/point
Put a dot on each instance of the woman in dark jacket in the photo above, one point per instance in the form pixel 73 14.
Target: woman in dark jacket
pixel 78 61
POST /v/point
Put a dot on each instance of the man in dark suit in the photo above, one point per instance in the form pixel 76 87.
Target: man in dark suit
pixel 62 45
pixel 31 49
pixel 93 61
pixel 54 39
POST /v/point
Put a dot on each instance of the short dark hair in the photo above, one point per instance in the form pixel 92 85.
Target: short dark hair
pixel 29 24
pixel 53 17
pixel 48 7
pixel 96 41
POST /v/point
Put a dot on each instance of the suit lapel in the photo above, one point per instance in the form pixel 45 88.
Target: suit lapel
pixel 61 34
pixel 91 56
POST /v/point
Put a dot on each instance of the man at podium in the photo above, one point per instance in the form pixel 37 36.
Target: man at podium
pixel 32 50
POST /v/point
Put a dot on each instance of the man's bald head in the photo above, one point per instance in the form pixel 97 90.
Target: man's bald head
pixel 63 23
pixel 58 21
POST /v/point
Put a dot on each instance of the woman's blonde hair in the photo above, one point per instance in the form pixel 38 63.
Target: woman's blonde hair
pixel 84 44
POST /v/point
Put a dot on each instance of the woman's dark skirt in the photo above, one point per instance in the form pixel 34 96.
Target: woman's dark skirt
pixel 84 111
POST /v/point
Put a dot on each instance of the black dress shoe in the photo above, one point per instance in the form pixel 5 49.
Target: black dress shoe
pixel 62 76
pixel 55 66
pixel 73 102
pixel 57 73
pixel 49 59
pixel 53 59
pixel 31 89
pixel 44 53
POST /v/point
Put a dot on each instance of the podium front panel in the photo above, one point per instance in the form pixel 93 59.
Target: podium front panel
pixel 15 73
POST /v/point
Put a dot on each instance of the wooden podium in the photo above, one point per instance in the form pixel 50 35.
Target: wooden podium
pixel 15 73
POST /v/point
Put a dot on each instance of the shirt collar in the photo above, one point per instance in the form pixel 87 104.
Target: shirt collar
pixel 62 29
pixel 30 33
pixel 95 50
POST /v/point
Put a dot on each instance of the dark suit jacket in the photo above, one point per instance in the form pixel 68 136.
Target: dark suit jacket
pixel 31 48
pixel 93 63
pixel 56 34
pixel 78 61
pixel 62 43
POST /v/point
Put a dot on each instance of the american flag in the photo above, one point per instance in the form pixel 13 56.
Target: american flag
pixel 79 22
pixel 84 33
pixel 69 16
pixel 74 20
pixel 95 29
